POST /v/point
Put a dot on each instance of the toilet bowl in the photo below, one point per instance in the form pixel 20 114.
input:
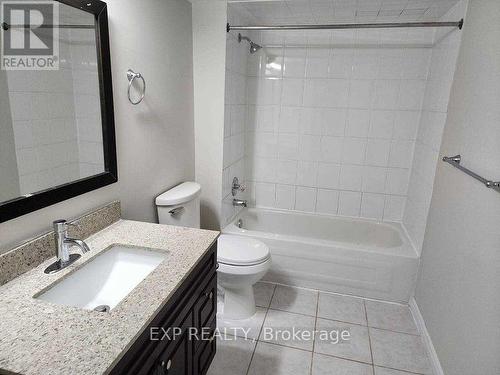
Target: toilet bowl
pixel 242 263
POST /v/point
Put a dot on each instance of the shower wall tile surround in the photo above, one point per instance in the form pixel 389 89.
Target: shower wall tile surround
pixel 345 123
pixel 332 120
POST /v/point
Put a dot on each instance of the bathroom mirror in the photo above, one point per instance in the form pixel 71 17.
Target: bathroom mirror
pixel 57 137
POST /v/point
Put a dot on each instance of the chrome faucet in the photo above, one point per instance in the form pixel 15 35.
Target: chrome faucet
pixel 239 203
pixel 63 244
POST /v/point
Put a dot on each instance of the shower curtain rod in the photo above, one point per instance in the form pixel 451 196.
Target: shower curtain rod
pixel 7 26
pixel 339 26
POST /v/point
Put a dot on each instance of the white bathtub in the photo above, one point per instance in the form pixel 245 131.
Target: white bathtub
pixel 352 256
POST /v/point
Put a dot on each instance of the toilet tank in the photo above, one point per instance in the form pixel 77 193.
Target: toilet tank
pixel 180 205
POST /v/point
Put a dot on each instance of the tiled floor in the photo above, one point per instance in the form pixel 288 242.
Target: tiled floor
pixel 383 338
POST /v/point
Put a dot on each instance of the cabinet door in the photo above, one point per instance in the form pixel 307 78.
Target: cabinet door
pixel 205 308
pixel 177 357
pixel 205 353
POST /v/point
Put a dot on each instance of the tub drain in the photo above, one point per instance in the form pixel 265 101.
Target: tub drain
pixel 102 308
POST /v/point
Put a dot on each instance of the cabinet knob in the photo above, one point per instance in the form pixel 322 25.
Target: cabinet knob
pixel 167 364
pixel 209 295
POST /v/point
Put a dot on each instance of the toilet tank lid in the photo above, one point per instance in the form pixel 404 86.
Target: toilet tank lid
pixel 182 193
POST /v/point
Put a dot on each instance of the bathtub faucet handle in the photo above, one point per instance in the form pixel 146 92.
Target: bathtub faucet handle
pixel 237 187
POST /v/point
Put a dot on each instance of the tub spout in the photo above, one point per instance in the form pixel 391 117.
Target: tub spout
pixel 239 203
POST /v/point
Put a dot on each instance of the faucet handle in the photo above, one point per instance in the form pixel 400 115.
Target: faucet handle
pixel 62 225
pixel 59 225
pixel 236 186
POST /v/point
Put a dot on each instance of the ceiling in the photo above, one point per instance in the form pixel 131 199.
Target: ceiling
pixel 330 11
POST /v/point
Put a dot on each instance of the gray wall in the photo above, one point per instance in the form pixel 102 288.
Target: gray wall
pixel 458 291
pixel 155 140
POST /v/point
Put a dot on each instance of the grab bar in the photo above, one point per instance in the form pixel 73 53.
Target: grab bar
pixel 455 161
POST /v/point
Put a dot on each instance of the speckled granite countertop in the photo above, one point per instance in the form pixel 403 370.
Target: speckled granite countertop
pixel 38 337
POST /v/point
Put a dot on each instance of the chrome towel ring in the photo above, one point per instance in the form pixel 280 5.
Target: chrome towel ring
pixel 131 75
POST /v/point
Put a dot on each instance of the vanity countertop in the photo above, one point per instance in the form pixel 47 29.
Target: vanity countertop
pixel 40 337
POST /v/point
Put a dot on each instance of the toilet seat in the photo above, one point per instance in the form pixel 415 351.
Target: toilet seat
pixel 241 251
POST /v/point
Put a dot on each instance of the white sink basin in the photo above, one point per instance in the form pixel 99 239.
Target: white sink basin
pixel 106 279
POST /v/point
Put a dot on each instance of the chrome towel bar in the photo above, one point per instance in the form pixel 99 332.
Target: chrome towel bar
pixel 455 161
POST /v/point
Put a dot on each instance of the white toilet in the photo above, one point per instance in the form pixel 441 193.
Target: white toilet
pixel 242 261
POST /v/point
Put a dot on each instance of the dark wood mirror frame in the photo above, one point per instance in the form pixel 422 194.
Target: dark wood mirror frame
pixel 26 204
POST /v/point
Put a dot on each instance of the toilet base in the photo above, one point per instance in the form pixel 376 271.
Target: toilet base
pixel 239 303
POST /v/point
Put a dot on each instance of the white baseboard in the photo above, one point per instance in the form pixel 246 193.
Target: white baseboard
pixel 419 320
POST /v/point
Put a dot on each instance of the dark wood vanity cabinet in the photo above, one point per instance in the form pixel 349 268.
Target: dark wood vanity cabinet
pixel 179 340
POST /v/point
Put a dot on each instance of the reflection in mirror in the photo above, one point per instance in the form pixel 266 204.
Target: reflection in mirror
pixel 51 130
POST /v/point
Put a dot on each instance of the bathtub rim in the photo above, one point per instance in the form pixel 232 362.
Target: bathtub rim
pixel 406 249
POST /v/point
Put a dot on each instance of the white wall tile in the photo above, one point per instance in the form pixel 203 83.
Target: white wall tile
pixel 285 197
pixel 294 63
pixel 349 203
pixel 286 171
pixel 288 146
pixel 290 119
pixel 401 154
pixel 394 207
pixel 331 149
pixel 328 176
pixel 305 199
pixel 327 201
pixel 374 179
pixel 358 123
pixel 354 151
pixel 411 94
pixel 265 194
pixel 351 177
pixel 361 93
pixel 397 181
pixel 406 125
pixel 317 63
pixel 312 121
pixel 372 206
pixel 340 63
pixel 307 173
pixel 310 147
pixel 293 90
pixel 334 121
pixel 377 152
pixel 385 94
pixel 381 124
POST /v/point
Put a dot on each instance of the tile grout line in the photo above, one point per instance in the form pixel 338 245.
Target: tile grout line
pixel 260 331
pixel 315 327
pixel 369 336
